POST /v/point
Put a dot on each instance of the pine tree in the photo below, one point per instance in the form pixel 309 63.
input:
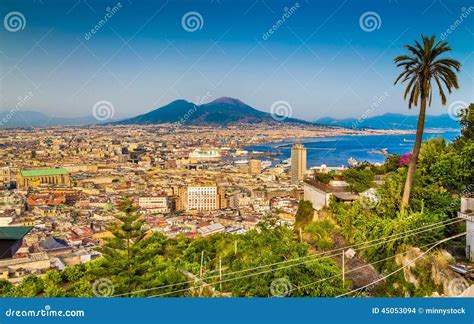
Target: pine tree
pixel 121 252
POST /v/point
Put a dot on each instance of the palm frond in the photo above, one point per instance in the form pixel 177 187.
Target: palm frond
pixel 424 66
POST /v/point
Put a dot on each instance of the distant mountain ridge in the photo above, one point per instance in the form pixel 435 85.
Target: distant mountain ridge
pixel 26 119
pixel 221 111
pixel 390 121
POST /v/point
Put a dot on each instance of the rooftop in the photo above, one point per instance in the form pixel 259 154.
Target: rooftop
pixel 32 257
pixel 346 196
pixel 211 228
pixel 325 187
pixel 14 232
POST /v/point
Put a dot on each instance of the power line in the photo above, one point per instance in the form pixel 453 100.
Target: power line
pixel 403 267
pixel 276 269
pixel 430 227
pixel 358 268
pixel 417 231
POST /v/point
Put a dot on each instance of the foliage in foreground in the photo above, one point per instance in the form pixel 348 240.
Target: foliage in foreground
pixel 445 173
pixel 137 269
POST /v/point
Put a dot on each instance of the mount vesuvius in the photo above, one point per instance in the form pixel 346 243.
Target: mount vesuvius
pixel 221 111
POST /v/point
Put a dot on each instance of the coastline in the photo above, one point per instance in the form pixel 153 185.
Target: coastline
pixel 336 150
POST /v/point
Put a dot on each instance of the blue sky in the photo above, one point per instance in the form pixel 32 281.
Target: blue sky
pixel 319 60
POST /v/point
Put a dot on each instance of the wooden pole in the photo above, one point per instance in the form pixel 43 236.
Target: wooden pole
pixel 343 269
pixel 200 269
pixel 220 273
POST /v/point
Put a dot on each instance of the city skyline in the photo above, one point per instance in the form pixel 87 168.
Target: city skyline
pixel 320 59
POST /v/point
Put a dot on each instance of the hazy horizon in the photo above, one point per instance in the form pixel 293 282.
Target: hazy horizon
pixel 412 112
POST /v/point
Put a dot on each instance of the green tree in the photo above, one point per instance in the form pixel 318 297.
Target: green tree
pixel 120 252
pixel 420 69
pixel 391 163
pixel 152 269
pixel 52 281
pixel 5 287
pixel 358 180
pixel 467 122
pixel 80 288
pixel 304 215
pixel 271 244
pixel 320 233
pixel 448 166
pixel 323 177
pixel 31 286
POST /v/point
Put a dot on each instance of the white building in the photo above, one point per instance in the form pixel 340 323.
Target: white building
pixel 211 229
pixel 319 194
pixel 154 204
pixel 323 168
pixel 204 155
pixel 202 197
pixel 467 213
pixel 6 219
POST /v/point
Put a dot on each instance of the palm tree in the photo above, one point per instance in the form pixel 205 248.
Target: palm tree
pixel 421 68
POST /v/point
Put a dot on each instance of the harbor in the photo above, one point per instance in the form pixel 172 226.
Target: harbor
pixel 340 150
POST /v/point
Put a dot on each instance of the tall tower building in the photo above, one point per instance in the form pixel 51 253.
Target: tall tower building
pixel 255 166
pixel 298 163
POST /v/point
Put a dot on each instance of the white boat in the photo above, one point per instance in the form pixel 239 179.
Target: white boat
pixel 241 152
pixel 243 161
pixel 204 154
pixel 383 151
pixel 285 163
pixel 266 164
pixel 352 162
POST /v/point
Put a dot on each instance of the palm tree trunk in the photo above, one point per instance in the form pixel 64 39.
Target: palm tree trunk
pixel 416 151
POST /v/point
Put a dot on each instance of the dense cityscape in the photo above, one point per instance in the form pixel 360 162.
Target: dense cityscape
pixel 236 156
pixel 62 189
pixel 62 184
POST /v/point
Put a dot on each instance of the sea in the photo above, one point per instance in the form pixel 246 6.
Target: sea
pixel 336 150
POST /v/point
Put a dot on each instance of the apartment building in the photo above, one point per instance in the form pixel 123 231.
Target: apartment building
pixel 154 204
pixel 298 163
pixel 255 166
pixel 202 197
pixel 5 177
